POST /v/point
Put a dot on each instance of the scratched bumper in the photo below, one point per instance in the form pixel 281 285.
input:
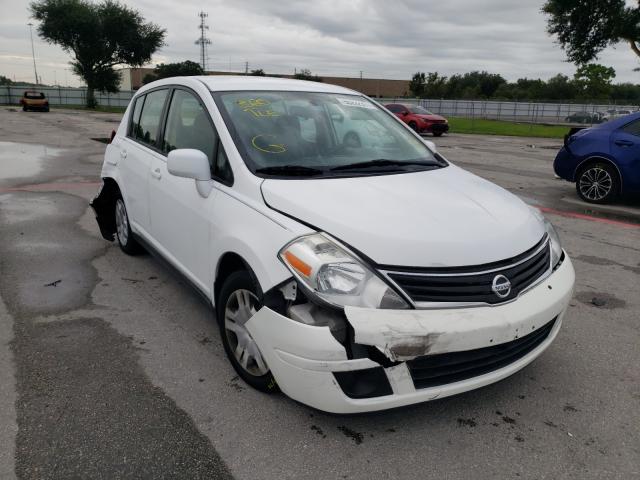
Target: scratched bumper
pixel 303 358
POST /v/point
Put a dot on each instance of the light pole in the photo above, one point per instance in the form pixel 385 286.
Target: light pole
pixel 33 52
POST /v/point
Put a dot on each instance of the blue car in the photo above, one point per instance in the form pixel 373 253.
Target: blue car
pixel 603 160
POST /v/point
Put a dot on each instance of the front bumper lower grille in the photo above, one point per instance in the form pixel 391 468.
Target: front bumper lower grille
pixel 445 368
pixel 474 284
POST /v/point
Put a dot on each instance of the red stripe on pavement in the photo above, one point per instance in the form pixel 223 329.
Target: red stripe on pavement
pixel 49 186
pixel 590 218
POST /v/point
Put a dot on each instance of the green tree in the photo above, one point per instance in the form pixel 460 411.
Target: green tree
pixel 178 69
pixel 560 87
pixel 99 36
pixel 417 84
pixel 436 86
pixel 258 73
pixel 594 81
pixel 5 80
pixel 585 27
pixel 305 74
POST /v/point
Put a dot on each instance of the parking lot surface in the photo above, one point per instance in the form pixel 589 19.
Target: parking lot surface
pixel 110 367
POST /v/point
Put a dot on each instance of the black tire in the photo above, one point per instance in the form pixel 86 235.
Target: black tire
pixel 437 134
pixel 24 108
pixel 46 109
pixel 233 339
pixel 598 182
pixel 124 235
pixel 414 126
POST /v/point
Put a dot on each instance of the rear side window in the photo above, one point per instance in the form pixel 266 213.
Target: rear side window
pixel 134 129
pixel 633 128
pixel 148 129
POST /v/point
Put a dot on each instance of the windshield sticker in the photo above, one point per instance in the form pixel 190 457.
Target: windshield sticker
pixel 354 102
pixel 258 107
pixel 259 142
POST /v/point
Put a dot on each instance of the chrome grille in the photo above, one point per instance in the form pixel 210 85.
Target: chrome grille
pixel 473 284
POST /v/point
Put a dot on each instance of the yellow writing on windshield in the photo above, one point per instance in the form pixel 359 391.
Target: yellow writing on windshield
pixel 259 142
pixel 258 107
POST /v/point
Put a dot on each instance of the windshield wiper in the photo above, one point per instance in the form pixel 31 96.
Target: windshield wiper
pixel 290 170
pixel 385 163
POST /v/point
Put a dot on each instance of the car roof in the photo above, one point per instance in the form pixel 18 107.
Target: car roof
pixel 226 83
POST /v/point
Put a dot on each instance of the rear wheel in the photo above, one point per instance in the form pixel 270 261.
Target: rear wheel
pixel 437 134
pixel 237 303
pixel 598 182
pixel 414 126
pixel 124 234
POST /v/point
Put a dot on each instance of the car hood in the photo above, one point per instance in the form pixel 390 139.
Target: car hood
pixel 444 217
pixel 431 118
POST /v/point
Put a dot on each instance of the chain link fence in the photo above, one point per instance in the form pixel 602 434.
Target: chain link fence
pixel 525 112
pixel 11 95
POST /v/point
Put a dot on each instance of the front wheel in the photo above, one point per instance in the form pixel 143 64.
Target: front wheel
pixel 437 134
pixel 414 126
pixel 598 183
pixel 237 303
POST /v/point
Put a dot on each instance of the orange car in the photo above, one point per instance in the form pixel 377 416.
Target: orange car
pixel 34 101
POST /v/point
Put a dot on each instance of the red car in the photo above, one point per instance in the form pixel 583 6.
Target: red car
pixel 420 119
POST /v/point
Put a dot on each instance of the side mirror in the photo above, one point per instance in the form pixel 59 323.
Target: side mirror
pixel 405 113
pixel 191 163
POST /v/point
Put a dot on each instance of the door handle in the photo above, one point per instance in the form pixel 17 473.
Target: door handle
pixel 157 174
pixel 624 143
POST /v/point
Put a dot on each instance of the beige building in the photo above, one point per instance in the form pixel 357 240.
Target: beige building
pixel 131 79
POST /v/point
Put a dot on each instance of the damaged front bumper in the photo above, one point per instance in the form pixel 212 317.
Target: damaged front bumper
pixel 311 366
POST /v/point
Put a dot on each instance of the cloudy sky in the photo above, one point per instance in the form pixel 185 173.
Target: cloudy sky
pixel 383 38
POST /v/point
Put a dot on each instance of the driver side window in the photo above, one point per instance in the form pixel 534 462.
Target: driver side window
pixel 189 126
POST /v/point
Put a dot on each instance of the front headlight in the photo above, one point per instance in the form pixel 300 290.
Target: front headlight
pixel 335 276
pixel 556 246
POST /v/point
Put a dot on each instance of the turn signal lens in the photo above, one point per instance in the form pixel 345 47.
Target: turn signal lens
pixel 297 264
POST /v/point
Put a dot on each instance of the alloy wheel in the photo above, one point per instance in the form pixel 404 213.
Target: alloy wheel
pixel 595 183
pixel 122 222
pixel 241 306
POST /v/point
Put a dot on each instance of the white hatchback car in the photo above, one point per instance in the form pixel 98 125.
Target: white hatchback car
pixel 349 263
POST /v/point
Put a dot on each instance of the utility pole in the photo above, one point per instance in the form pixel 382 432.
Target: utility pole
pixel 33 53
pixel 203 41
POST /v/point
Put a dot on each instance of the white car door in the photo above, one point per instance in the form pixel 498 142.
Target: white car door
pixel 136 153
pixel 180 216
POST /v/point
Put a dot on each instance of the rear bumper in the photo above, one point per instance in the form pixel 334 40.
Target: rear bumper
pixel 304 358
pixel 564 165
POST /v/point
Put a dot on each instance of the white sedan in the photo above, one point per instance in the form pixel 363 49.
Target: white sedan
pixel 349 264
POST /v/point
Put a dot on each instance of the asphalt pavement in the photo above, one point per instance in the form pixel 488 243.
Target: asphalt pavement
pixel 110 367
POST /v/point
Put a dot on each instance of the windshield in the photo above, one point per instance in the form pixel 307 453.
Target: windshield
pixel 308 134
pixel 34 95
pixel 420 110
